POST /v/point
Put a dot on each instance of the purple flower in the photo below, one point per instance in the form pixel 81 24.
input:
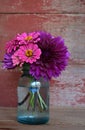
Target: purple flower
pixel 54 57
pixel 8 64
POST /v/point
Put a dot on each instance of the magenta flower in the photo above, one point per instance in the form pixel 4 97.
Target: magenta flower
pixel 12 45
pixel 21 38
pixel 15 59
pixel 54 57
pixel 28 38
pixel 28 53
pixel 33 37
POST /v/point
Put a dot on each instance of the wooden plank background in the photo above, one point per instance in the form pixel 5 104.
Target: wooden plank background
pixel 65 18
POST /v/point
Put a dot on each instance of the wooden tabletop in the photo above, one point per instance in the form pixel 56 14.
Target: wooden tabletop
pixel 60 119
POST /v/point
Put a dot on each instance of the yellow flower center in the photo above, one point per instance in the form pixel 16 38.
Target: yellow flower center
pixel 28 38
pixel 29 53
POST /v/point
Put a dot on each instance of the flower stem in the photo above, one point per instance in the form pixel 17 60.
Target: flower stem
pixel 35 98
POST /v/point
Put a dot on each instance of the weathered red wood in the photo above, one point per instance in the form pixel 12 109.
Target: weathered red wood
pixel 69 88
pixel 60 119
pixel 71 27
pixel 8 87
pixel 42 6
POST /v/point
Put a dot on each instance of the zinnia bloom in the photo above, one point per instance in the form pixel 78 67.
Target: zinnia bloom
pixel 8 64
pixel 21 38
pixel 12 45
pixel 53 59
pixel 28 38
pixel 28 53
pixel 15 59
pixel 33 37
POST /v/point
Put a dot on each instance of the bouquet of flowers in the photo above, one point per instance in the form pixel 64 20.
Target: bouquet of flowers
pixel 45 55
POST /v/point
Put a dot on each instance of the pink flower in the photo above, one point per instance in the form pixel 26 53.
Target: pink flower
pixel 34 37
pixel 21 38
pixel 26 38
pixel 12 45
pixel 15 59
pixel 28 53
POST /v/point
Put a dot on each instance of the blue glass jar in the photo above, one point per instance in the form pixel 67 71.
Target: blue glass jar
pixel 33 100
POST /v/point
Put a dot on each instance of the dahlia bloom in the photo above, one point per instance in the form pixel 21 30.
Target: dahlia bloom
pixel 53 59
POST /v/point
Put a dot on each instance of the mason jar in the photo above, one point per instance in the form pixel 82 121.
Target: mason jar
pixel 33 100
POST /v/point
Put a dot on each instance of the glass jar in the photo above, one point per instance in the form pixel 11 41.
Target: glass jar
pixel 33 100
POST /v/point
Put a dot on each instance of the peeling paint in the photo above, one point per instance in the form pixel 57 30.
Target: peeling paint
pixel 82 1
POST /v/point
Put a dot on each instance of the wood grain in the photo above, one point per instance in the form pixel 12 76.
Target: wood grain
pixel 69 88
pixel 70 27
pixel 42 6
pixel 8 87
pixel 60 119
